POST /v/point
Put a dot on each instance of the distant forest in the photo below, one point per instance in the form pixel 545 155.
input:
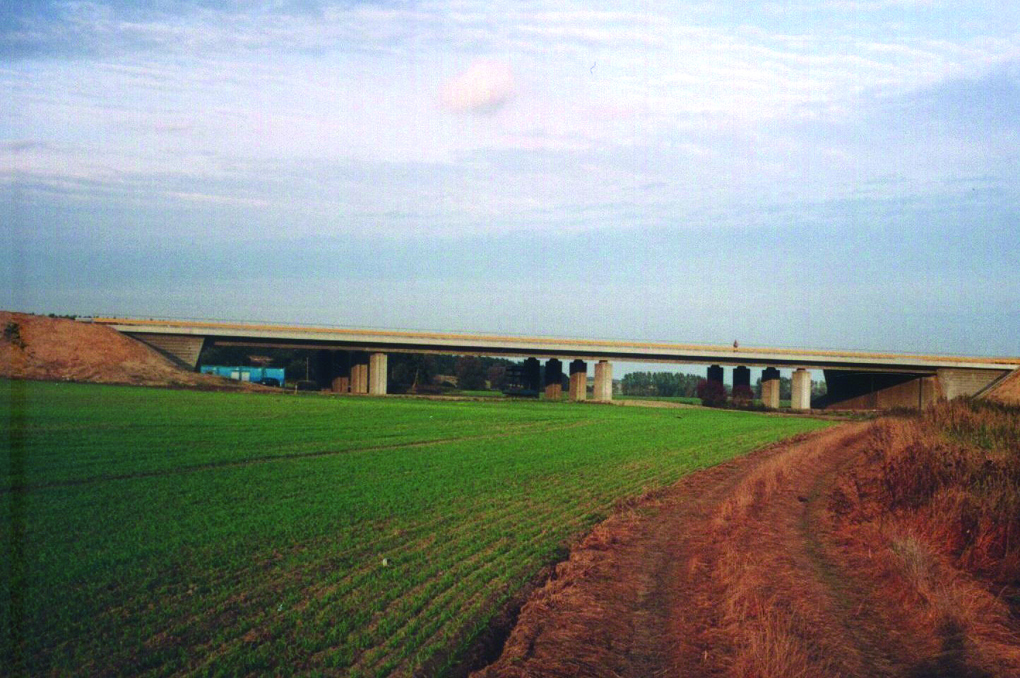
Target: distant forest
pixel 669 385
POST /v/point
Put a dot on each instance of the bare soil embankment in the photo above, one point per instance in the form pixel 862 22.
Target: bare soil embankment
pixel 58 349
pixel 1006 391
pixel 770 566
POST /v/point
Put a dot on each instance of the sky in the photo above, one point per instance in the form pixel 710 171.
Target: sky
pixel 824 174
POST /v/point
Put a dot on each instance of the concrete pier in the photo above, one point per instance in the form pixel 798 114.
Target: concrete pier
pixel 359 373
pixel 553 379
pixel 532 375
pixel 322 368
pixel 377 374
pixel 801 390
pixel 715 373
pixel 741 376
pixel 341 381
pixel 578 380
pixel 770 388
pixel 603 381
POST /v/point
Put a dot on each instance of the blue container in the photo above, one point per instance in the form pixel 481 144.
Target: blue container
pixel 270 376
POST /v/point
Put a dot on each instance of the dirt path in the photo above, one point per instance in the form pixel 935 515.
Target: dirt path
pixel 732 572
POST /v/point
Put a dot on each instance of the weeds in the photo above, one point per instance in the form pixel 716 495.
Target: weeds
pixel 12 334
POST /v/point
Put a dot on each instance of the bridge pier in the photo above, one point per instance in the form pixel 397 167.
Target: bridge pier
pixel 770 388
pixel 532 375
pixel 359 373
pixel 341 374
pixel 322 369
pixel 741 377
pixel 715 373
pixel 603 381
pixel 801 397
pixel 377 373
pixel 553 379
pixel 578 380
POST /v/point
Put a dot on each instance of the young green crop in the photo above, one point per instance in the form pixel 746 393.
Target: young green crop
pixel 174 531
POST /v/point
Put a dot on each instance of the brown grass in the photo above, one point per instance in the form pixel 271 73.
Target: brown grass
pixel 935 503
pixel 880 549
pixel 774 621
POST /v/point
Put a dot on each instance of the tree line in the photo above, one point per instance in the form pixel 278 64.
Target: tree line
pixel 671 385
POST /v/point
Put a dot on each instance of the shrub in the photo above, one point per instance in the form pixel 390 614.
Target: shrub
pixel 951 477
pixel 712 393
pixel 742 396
pixel 12 333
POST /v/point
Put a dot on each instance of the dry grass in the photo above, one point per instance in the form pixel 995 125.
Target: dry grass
pixel 773 621
pixel 936 504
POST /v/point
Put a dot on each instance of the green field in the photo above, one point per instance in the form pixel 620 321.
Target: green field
pixel 666 399
pixel 166 532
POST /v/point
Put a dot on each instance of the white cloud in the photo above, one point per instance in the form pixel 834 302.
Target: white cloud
pixel 484 87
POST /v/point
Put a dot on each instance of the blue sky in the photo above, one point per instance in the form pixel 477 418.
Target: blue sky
pixel 818 174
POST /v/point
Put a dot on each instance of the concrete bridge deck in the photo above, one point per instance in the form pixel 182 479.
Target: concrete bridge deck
pixel 854 372
pixel 292 336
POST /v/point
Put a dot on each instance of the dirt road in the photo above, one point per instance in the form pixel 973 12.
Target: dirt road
pixel 733 572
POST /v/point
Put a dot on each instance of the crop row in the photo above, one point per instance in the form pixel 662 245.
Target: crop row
pixel 179 555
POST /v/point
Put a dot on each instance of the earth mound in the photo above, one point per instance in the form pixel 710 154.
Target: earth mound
pixel 1006 391
pixel 59 349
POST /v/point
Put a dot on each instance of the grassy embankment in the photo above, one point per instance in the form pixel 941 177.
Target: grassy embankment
pixel 162 531
pixel 936 506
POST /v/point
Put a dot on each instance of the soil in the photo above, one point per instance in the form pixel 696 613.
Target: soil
pixel 737 570
pixel 1007 390
pixel 60 349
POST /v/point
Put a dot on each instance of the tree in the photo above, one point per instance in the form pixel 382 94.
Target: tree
pixel 470 373
pixel 712 393
pixel 785 388
pixel 742 396
pixel 410 371
pixel 818 389
pixel 496 376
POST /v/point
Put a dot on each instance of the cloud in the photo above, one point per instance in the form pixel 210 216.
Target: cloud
pixel 484 88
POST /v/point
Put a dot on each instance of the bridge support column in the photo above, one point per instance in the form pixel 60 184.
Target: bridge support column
pixel 715 373
pixel 377 374
pixel 359 373
pixel 770 388
pixel 532 375
pixel 323 368
pixel 801 390
pixel 741 377
pixel 603 381
pixel 341 382
pixel 578 380
pixel 553 379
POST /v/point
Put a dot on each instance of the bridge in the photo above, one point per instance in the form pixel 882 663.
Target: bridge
pixel 356 360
